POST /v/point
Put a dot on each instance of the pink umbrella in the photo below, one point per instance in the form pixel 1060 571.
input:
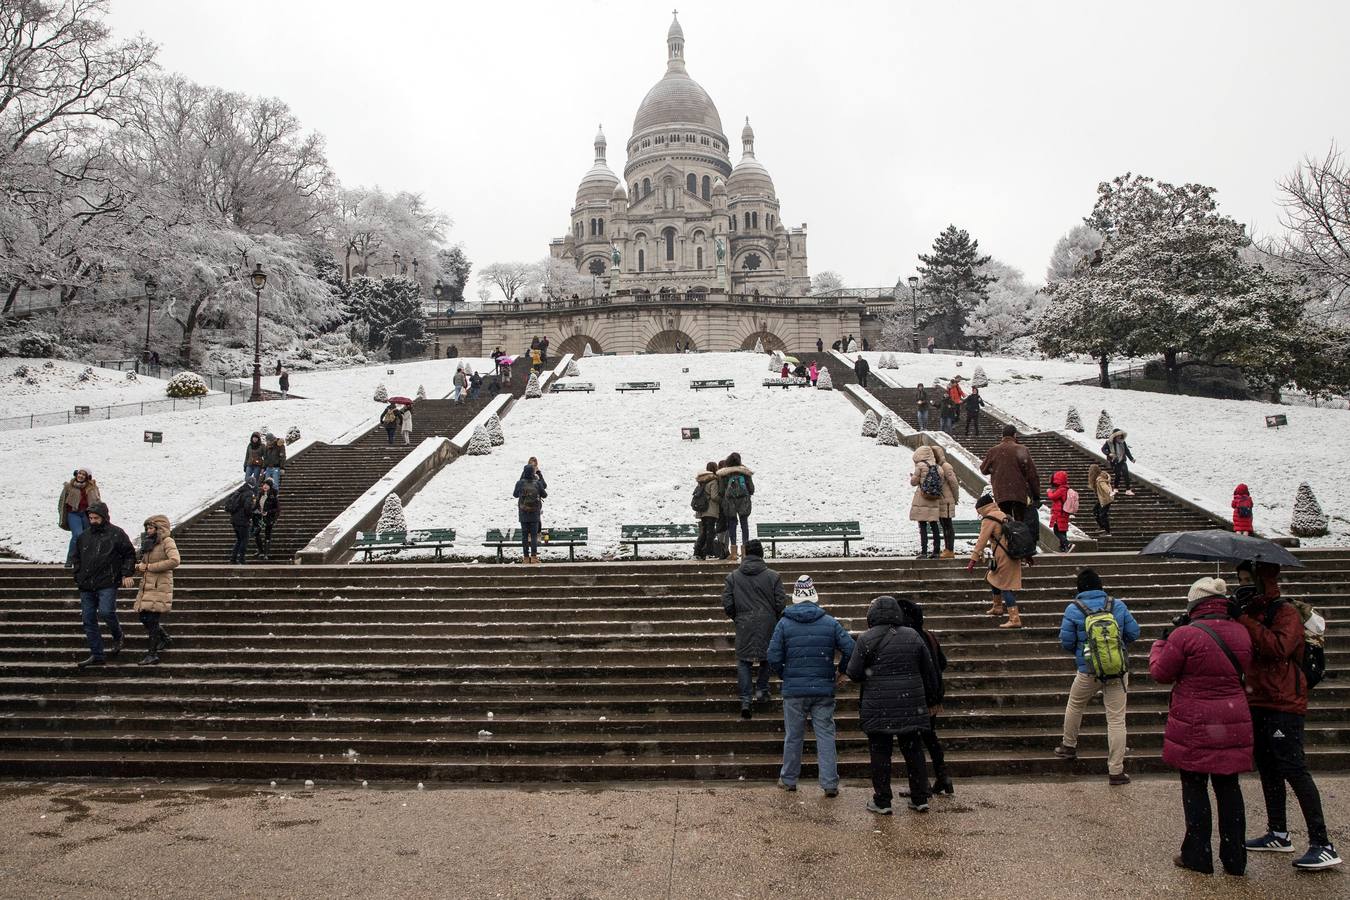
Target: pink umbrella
pixel 403 401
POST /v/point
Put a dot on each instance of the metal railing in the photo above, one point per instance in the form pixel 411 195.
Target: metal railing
pixel 123 410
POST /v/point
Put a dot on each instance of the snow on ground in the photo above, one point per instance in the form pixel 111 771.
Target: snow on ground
pixel 59 390
pixel 1209 446
pixel 916 367
pixel 202 454
pixel 614 459
pixel 360 383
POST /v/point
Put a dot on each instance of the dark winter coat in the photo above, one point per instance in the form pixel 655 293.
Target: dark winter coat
pixel 1012 474
pixel 253 451
pixel 1275 679
pixel 861 368
pixel 1242 509
pixel 973 404
pixel 949 408
pixel 239 505
pixel 1116 450
pixel 913 614
pixel 527 477
pixel 724 475
pixel 285 381
pixel 1209 724
pixel 802 648
pixel 899 680
pixel 1073 627
pixel 274 457
pixel 921 399
pixel 753 597
pixel 103 554
pixel 266 506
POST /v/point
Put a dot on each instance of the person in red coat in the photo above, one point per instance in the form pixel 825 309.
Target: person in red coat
pixel 1208 738
pixel 1059 519
pixel 1277 690
pixel 1242 510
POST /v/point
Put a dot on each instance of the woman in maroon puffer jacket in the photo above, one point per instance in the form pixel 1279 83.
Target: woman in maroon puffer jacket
pixel 1209 725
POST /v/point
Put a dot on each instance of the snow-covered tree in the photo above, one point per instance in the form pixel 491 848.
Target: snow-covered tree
pixel 391 516
pixel 480 444
pixel 953 283
pixel 1073 422
pixel 1104 426
pixel 1309 519
pixel 1072 253
pixel 979 379
pixel 1008 312
pixel 824 382
pixel 511 278
pixel 871 422
pixel 381 393
pixel 421 393
pixel 573 370
pixel 554 279
pixel 493 427
pixel 391 309
pixel 897 324
pixel 886 433
pixel 826 282
pixel 532 390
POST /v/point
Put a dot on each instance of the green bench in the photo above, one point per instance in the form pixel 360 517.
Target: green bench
pixel 548 537
pixel 786 382
pixel 966 528
pixel 791 532
pixel 710 383
pixel 368 542
pixel 657 534
pixel 638 386
pixel 563 387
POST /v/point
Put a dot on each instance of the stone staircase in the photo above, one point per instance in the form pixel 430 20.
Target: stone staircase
pixel 1134 520
pixel 584 672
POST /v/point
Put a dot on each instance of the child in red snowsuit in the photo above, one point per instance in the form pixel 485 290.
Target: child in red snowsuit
pixel 1242 510
pixel 1059 518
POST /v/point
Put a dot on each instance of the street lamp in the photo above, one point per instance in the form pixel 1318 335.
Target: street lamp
pixel 419 284
pixel 914 309
pixel 259 279
pixel 151 289
pixel 438 290
pixel 396 259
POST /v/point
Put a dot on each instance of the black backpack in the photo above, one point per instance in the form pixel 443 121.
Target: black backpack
pixel 700 501
pixel 1314 665
pixel 529 501
pixel 1017 539
pixel 736 497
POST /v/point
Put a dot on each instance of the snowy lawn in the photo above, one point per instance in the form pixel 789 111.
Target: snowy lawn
pixel 202 454
pixel 924 367
pixel 360 383
pixel 615 459
pixel 59 388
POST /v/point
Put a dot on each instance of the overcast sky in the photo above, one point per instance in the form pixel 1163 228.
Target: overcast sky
pixel 880 122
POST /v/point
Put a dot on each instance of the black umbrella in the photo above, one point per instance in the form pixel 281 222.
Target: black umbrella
pixel 1219 546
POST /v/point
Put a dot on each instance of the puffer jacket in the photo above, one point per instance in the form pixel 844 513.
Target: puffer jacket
pixel 713 485
pixel 726 472
pixel 1242 508
pixel 1275 678
pixel 923 508
pixel 103 554
pixel 802 648
pixel 1058 493
pixel 951 485
pixel 753 598
pixel 899 679
pixel 74 499
pixel 913 614
pixel 156 593
pixel 274 457
pixel 1073 627
pixel 253 452
pixel 1209 724
pixel 527 478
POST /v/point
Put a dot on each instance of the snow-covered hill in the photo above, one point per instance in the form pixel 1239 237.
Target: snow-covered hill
pixel 54 385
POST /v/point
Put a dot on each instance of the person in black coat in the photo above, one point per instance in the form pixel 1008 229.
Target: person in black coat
pixel 913 613
pixel 102 559
pixel 753 598
pixel 820 345
pixel 973 404
pixel 239 505
pixel 530 493
pixel 263 514
pixel 860 369
pixel 900 694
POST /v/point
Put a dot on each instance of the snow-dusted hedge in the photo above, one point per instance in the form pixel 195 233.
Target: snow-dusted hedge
pixel 185 384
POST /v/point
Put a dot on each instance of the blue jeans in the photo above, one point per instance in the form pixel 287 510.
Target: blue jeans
pixel 273 474
pixel 922 416
pixel 820 710
pixel 78 522
pixel 1009 598
pixel 731 529
pixel 253 474
pixel 529 538
pixel 93 606
pixel 746 680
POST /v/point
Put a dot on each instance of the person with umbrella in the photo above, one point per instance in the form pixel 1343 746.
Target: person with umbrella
pixel 405 424
pixel 389 420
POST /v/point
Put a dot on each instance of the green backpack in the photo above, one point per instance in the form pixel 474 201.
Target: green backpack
pixel 1103 650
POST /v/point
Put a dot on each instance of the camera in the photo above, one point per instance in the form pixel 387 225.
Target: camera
pixel 1181 619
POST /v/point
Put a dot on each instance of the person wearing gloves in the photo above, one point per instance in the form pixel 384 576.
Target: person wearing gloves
pixel 104 559
pixel 1005 573
pixel 802 652
pixel 159 557
pixel 1208 738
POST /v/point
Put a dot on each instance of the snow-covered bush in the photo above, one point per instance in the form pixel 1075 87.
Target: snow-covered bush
pixel 88 375
pixel 1073 423
pixel 132 376
pixel 391 516
pixel 1104 426
pixel 381 393
pixel 21 372
pixel 35 344
pixel 494 430
pixel 824 382
pixel 979 379
pixel 573 370
pixel 532 390
pixel 886 433
pixel 184 384
pixel 421 393
pixel 759 345
pixel 49 365
pixel 1309 519
pixel 292 434
pixel 480 444
pixel 589 351
pixel 776 361
pixel 871 422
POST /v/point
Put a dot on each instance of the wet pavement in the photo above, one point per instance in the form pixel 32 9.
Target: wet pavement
pixel 992 839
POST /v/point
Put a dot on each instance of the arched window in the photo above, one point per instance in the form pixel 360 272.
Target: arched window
pixel 732 222
pixel 747 221
pixel 707 188
pixel 668 236
pixel 646 186
pixel 600 227
pixel 691 183
pixel 668 192
pixel 698 254
pixel 642 260
pixel 636 193
pixel 754 220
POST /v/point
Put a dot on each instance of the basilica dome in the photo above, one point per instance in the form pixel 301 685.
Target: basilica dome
pixel 749 178
pixel 676 99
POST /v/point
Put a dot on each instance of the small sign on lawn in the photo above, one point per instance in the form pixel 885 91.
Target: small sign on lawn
pixel 685 370
pixel 1277 421
pixel 688 434
pixel 154 437
pixel 81 410
pixel 389 371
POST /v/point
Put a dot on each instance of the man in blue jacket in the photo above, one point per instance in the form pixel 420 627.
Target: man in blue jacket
pixel 801 652
pixel 1072 637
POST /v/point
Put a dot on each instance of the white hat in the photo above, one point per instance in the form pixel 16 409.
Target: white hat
pixel 805 591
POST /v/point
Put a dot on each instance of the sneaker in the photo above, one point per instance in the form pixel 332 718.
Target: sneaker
pixel 1318 858
pixel 879 810
pixel 918 807
pixel 831 792
pixel 785 786
pixel 149 659
pixel 1064 751
pixel 1270 841
pixel 1118 780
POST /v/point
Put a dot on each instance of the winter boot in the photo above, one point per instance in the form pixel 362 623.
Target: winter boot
pixel 743 551
pixel 746 712
pixel 997 609
pixel 161 641
pixel 114 648
pixel 948 554
pixel 1014 619
pixel 943 784
pixel 732 553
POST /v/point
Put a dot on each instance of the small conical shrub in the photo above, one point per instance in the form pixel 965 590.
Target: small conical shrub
pixel 824 382
pixel 1104 426
pixel 293 434
pixel 381 393
pixel 421 393
pixel 886 433
pixel 391 516
pixel 871 422
pixel 759 345
pixel 589 351
pixel 979 379
pixel 532 390
pixel 573 370
pixel 480 444
pixel 494 430
pixel 1073 423
pixel 1309 519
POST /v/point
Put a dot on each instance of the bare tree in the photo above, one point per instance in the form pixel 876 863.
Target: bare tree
pixel 1316 201
pixel 509 277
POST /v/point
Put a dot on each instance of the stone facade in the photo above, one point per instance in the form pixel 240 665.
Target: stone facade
pixel 683 219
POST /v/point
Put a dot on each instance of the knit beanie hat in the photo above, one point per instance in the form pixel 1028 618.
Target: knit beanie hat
pixel 1205 589
pixel 805 591
pixel 1089 580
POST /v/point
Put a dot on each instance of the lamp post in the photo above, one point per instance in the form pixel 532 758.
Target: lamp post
pixel 151 289
pixel 438 290
pixel 419 284
pixel 259 279
pixel 914 309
